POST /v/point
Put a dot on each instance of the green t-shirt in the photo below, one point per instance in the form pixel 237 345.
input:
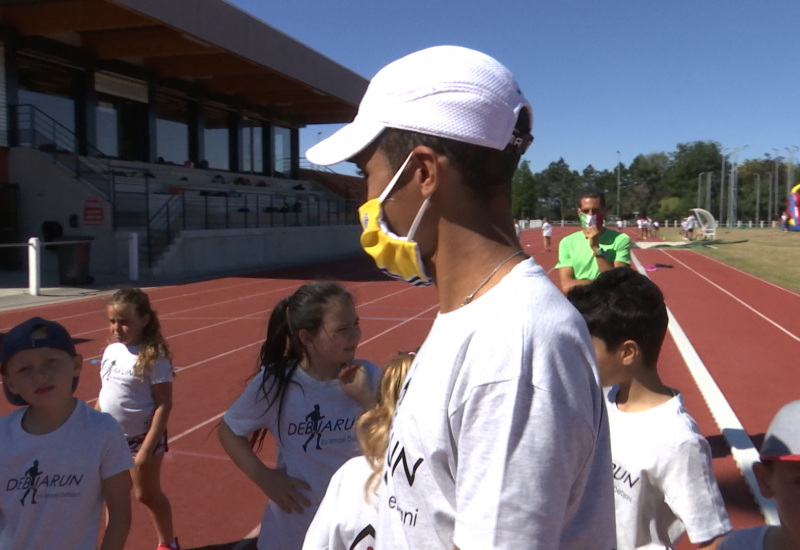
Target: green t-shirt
pixel 574 251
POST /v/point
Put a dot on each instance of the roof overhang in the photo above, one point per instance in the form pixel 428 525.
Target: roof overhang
pixel 206 43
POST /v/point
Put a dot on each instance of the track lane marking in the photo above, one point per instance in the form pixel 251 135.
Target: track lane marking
pixel 742 302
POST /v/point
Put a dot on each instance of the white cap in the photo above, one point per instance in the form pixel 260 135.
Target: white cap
pixel 444 91
pixel 782 441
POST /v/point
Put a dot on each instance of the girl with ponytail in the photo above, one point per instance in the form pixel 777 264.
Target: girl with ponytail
pixel 308 391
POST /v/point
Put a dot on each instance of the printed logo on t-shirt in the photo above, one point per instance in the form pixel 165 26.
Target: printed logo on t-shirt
pixel 364 539
pixel 34 481
pixel 109 367
pixel 323 431
pixel 624 482
pixel 396 455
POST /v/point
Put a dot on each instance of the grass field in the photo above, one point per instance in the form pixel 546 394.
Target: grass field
pixel 767 253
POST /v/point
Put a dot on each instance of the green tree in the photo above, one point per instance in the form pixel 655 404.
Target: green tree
pixel 523 192
pixel 561 188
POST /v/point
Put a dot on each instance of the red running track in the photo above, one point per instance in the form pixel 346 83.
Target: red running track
pixel 738 324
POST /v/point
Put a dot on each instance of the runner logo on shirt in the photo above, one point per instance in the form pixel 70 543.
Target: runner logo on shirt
pixel 315 425
pixel 314 417
pixel 34 479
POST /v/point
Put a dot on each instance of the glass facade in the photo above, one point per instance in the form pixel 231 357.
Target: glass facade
pixel 282 151
pixel 122 119
pixel 49 88
pixel 172 129
pixel 107 125
pixel 252 147
pixel 216 138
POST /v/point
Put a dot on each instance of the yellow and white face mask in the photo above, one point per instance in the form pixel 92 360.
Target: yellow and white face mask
pixel 398 257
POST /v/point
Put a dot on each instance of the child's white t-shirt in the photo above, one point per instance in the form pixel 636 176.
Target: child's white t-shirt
pixel 316 414
pixel 52 483
pixel 663 481
pixel 126 396
pixel 346 519
pixel 547 230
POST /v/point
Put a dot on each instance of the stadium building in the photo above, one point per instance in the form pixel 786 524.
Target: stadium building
pixel 175 121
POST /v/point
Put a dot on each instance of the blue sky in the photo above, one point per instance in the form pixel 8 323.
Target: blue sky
pixel 634 76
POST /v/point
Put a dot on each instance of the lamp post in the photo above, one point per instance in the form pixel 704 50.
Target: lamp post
pixel 776 159
pixel 709 177
pixel 722 186
pixel 699 184
pixel 733 187
pixel 769 199
pixel 790 168
pixel 758 194
pixel 619 163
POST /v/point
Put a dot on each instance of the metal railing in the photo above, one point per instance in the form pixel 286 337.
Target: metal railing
pixel 146 197
pixel 31 127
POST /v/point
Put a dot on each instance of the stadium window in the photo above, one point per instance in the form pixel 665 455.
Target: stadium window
pixel 252 146
pixel 172 129
pixel 216 137
pixel 282 151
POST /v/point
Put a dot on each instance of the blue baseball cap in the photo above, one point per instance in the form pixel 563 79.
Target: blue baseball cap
pixel 32 334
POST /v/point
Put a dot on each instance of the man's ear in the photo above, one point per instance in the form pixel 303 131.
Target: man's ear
pixel 628 352
pixel 763 477
pixel 427 169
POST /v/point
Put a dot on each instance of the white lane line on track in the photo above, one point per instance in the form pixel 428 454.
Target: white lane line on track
pixel 793 293
pixel 193 429
pixel 742 449
pixel 742 302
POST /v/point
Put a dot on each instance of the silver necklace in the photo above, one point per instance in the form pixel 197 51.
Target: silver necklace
pixel 469 298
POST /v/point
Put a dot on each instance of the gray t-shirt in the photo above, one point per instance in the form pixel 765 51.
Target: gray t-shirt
pixel 500 439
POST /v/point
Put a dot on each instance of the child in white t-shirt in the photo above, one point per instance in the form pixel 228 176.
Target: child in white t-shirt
pixel 663 481
pixel 347 517
pixel 136 377
pixel 778 476
pixel 308 392
pixel 60 461
pixel 547 233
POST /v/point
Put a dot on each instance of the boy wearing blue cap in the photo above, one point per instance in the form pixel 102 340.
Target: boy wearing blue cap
pixel 778 476
pixel 60 459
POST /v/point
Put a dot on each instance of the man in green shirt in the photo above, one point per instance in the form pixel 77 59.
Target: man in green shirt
pixel 583 255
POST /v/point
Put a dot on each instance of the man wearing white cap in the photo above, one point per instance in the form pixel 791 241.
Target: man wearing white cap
pixel 500 438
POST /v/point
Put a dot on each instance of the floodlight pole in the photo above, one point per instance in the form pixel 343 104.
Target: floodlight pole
pixel 790 168
pixel 699 185
pixel 722 187
pixel 758 194
pixel 709 177
pixel 619 163
pixel 733 187
pixel 775 161
pixel 769 199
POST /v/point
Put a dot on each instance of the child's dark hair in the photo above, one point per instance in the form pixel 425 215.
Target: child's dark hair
pixel 153 346
pixel 621 304
pixel 282 351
